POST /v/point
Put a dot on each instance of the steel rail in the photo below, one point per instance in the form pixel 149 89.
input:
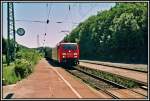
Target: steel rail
pixel 108 81
pixel 137 81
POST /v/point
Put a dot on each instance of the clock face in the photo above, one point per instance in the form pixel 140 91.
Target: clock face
pixel 20 31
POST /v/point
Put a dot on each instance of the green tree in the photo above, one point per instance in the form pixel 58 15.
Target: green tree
pixel 119 34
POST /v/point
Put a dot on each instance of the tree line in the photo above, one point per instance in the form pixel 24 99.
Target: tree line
pixel 118 34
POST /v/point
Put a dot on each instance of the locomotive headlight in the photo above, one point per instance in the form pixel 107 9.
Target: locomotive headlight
pixel 63 53
pixel 64 56
pixel 75 53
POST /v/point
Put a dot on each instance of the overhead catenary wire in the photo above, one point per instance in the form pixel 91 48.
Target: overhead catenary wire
pixel 49 11
pixel 32 21
pixel 48 17
pixel 67 27
pixel 70 20
pixel 72 24
pixel 69 13
pixel 45 25
pixel 66 15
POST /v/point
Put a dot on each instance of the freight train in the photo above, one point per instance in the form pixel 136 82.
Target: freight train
pixel 65 53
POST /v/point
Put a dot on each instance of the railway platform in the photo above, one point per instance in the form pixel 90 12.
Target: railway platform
pixel 138 67
pixel 51 82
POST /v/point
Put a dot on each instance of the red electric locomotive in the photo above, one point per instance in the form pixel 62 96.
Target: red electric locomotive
pixel 66 53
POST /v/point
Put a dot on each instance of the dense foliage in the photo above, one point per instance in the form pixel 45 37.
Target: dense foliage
pixel 119 34
pixel 23 65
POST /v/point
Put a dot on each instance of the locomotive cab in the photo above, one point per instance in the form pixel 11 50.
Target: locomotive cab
pixel 69 53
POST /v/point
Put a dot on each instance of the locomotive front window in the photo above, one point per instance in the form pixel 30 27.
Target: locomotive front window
pixel 69 47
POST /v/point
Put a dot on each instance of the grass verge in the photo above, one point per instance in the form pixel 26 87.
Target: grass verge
pixel 9 76
pixel 22 67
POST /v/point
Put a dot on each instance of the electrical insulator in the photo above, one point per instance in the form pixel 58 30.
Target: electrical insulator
pixel 69 7
pixel 47 21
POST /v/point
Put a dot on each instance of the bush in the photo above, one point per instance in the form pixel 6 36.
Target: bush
pixel 18 55
pixel 25 62
pixel 22 68
pixel 9 76
pixel 26 58
pixel 31 55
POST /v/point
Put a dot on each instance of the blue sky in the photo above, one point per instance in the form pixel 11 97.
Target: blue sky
pixel 58 12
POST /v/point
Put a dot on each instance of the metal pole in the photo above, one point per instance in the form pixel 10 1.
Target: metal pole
pixel 14 35
pixel 38 43
pixel 8 36
pixel 11 31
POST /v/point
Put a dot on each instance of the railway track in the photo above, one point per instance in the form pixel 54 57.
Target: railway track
pixel 122 72
pixel 104 85
pixel 98 84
